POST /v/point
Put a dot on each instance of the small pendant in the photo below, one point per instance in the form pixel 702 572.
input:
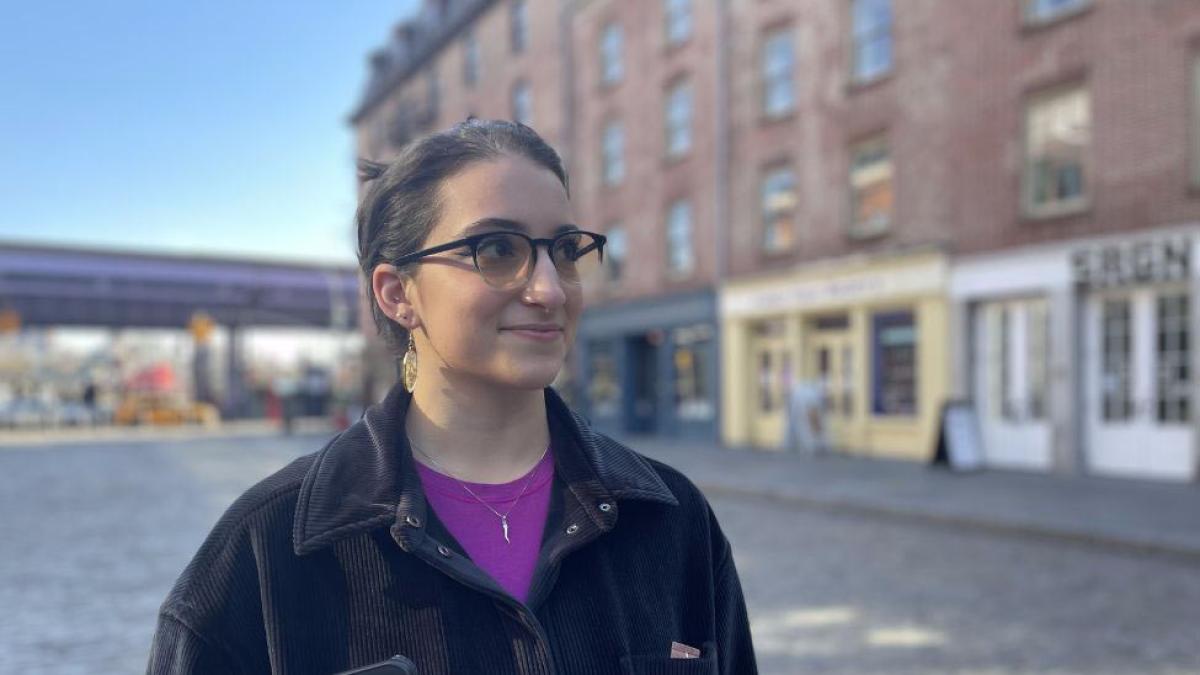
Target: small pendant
pixel 504 522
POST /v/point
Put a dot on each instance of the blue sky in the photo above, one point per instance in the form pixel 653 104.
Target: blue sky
pixel 213 126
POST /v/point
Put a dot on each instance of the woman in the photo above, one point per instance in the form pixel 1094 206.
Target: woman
pixel 471 521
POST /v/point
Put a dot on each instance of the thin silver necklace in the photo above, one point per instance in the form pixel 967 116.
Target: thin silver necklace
pixel 502 516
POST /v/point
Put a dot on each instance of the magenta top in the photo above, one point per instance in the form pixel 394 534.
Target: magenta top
pixel 480 531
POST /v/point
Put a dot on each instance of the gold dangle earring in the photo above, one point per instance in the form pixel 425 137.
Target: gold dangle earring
pixel 410 365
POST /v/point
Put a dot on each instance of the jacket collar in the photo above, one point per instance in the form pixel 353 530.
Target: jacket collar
pixel 365 477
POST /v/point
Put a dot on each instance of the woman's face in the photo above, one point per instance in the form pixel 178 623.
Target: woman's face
pixel 469 327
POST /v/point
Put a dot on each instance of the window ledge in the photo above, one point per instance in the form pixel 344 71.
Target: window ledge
pixel 858 86
pixel 767 119
pixel 771 255
pixel 867 233
pixel 670 160
pixel 1031 26
pixel 604 86
pixel 1055 212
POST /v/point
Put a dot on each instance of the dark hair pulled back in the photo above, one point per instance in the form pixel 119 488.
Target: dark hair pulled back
pixel 402 201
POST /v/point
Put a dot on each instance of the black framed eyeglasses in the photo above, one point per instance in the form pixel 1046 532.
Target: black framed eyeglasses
pixel 505 259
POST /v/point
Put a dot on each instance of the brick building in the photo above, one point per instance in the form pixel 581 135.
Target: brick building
pixel 903 202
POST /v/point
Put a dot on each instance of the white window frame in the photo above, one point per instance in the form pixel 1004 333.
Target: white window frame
pixel 861 176
pixel 778 73
pixel 612 44
pixel 1042 105
pixel 518 29
pixel 1195 120
pixel 772 188
pixel 471 59
pixel 613 153
pixel 866 35
pixel 678 118
pixel 677 21
pixel 1046 11
pixel 681 259
pixel 616 252
pixel 522 103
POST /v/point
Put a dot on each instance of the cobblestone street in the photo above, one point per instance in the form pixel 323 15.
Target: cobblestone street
pixel 95 535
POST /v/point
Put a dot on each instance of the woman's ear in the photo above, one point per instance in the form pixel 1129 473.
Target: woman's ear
pixel 393 291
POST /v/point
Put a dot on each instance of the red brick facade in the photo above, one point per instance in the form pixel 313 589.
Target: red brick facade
pixel 951 108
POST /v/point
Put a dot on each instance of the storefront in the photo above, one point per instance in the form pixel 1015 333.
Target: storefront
pixel 1077 356
pixel 870 332
pixel 650 367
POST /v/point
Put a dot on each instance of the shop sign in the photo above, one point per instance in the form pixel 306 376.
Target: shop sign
pixel 837 291
pixel 1127 263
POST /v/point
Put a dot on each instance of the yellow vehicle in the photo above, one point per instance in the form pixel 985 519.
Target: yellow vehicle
pixel 163 409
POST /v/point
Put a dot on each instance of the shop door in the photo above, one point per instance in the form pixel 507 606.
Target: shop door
pixel 1138 383
pixel 771 365
pixel 831 363
pixel 642 411
pixel 1011 362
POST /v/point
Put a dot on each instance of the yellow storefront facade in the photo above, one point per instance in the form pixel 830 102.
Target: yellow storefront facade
pixel 870 333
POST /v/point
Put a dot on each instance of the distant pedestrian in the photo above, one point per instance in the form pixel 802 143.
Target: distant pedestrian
pixel 806 432
pixel 471 521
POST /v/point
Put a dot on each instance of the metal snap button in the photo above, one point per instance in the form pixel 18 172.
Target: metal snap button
pixel 444 551
pixel 413 520
pixel 572 529
pixel 606 507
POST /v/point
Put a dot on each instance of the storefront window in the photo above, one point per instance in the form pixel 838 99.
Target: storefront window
pixel 1174 378
pixel 1116 348
pixel 1038 354
pixel 603 388
pixel 693 398
pixel 766 398
pixel 895 372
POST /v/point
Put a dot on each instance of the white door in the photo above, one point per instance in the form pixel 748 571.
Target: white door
pixel 1137 383
pixel 1011 384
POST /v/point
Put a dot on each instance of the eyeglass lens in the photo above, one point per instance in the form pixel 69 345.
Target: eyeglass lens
pixel 506 259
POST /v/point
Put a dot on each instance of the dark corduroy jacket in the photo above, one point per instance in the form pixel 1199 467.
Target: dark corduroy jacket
pixel 337 561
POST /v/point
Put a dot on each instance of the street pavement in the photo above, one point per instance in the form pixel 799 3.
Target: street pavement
pixel 842 572
pixel 1116 513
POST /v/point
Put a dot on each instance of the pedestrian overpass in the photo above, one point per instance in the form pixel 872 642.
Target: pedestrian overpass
pixel 43 286
pixel 53 286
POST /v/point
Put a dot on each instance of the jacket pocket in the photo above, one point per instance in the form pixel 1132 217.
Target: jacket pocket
pixel 665 665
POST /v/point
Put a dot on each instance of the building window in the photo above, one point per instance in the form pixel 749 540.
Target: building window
pixel 1116 351
pixel 616 252
pixel 872 37
pixel 693 391
pixel 1058 131
pixel 779 209
pixel 778 68
pixel 518 25
pixel 679 120
pixel 1173 351
pixel 470 59
pixel 522 103
pixel 1037 355
pixel 1039 11
pixel 432 95
pixel 678 21
pixel 871 188
pixel 604 389
pixel 613 154
pixel 895 373
pixel 1196 120
pixel 612 43
pixel 680 259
